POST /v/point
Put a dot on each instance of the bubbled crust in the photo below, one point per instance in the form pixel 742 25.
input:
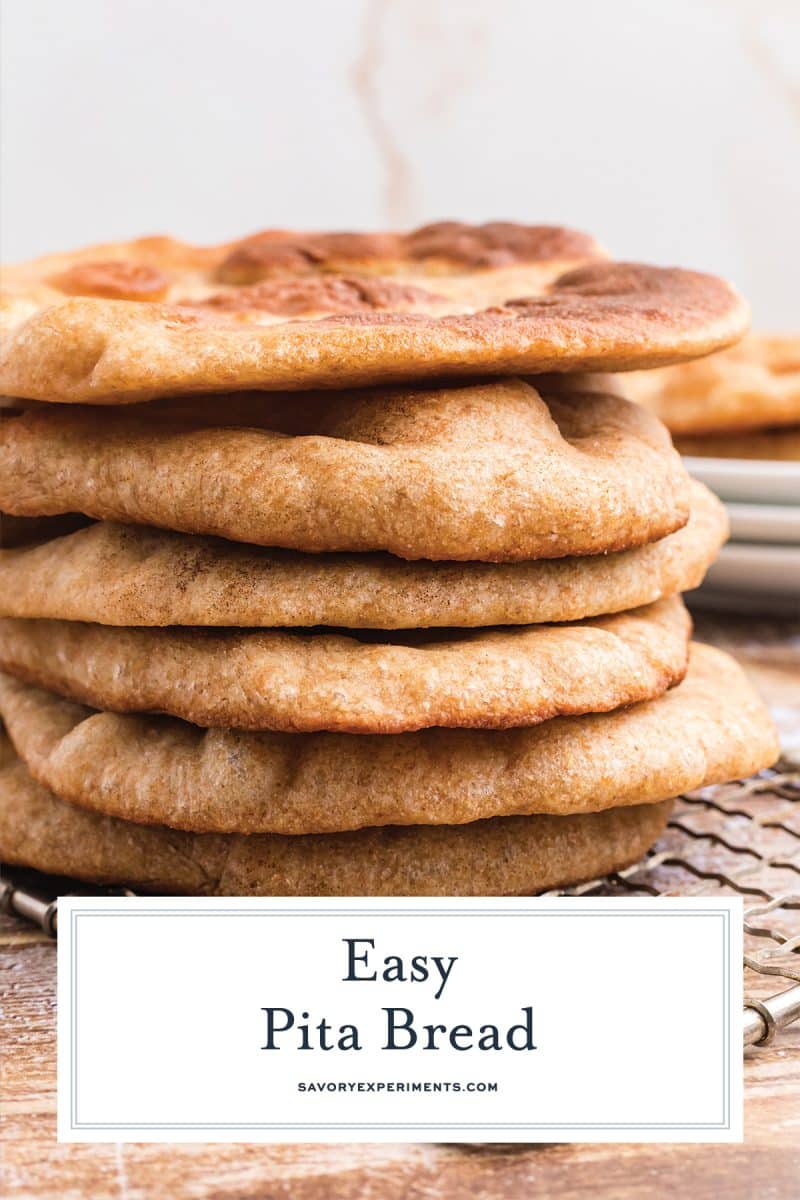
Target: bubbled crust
pixel 446 247
pixel 711 727
pixel 505 856
pixel 325 680
pixel 288 311
pixel 490 472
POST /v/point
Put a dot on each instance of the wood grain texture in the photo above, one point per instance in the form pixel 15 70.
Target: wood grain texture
pixel 37 1168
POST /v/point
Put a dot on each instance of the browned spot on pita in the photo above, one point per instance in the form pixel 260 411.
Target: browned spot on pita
pixel 113 280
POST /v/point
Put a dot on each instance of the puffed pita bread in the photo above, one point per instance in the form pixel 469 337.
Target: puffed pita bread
pixel 282 310
pixel 304 682
pixel 753 385
pixel 777 445
pixel 132 575
pixel 505 856
pixel 710 728
pixel 489 472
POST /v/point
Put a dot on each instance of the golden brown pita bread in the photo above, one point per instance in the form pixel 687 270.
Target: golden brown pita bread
pixel 750 386
pixel 282 310
pixel 132 575
pixel 505 856
pixel 488 472
pixel 710 728
pixel 778 445
pixel 316 681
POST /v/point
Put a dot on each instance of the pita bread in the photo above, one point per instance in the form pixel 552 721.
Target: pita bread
pixel 751 386
pixel 779 445
pixel 488 472
pixel 280 310
pixel 506 856
pixel 131 575
pixel 712 727
pixel 311 681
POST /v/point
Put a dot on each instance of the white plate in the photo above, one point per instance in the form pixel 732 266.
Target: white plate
pixel 757 570
pixel 765 522
pixel 748 479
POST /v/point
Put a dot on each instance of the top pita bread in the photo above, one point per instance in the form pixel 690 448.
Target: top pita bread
pixel 282 310
pixel 752 386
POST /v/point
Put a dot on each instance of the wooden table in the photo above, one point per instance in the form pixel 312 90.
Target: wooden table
pixel 766 1167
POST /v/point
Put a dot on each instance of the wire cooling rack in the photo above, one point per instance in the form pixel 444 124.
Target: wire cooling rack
pixel 739 838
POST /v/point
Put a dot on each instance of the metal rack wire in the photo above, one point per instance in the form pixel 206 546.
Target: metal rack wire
pixel 739 838
pixel 742 839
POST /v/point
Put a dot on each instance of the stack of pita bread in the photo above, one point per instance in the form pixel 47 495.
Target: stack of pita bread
pixel 333 567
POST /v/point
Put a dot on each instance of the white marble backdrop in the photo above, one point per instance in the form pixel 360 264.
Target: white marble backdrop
pixel 670 128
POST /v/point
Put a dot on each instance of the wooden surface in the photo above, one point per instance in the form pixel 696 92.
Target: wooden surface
pixel 766 1167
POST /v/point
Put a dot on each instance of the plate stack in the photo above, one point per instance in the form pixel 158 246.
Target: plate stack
pixel 315 582
pixel 736 418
